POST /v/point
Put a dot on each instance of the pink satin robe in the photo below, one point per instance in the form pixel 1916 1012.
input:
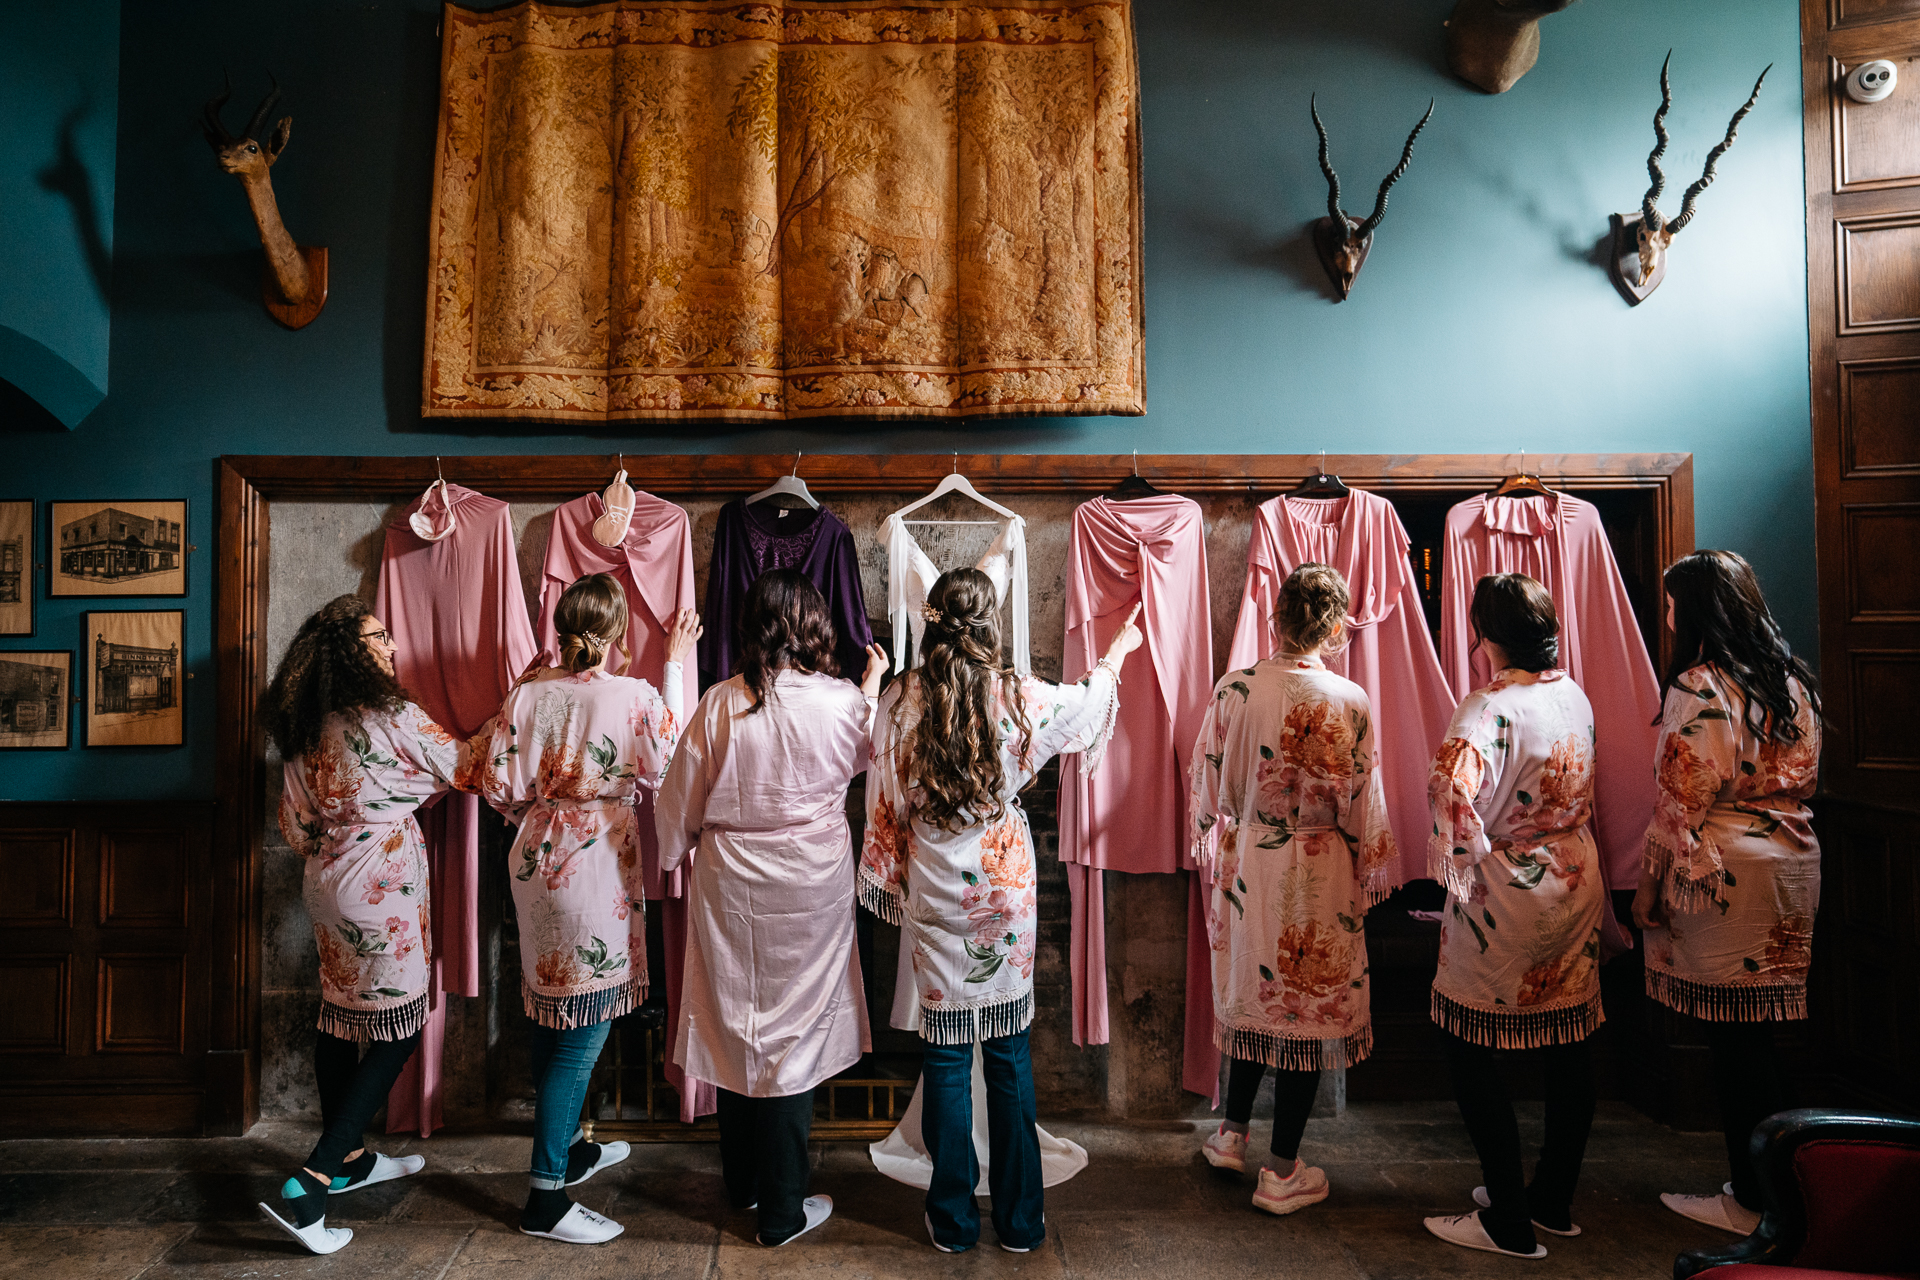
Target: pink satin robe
pixel 459 624
pixel 772 1002
pixel 1559 542
pixel 1131 814
pixel 654 566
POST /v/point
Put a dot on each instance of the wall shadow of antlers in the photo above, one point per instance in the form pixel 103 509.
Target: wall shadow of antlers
pixel 1341 242
pixel 294 284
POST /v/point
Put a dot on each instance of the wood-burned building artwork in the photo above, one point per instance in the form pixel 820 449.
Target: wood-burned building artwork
pixel 13 569
pixel 111 545
pixel 130 678
pixel 32 698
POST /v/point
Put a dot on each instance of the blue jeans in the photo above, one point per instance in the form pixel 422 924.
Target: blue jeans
pixel 562 1065
pixel 1013 1160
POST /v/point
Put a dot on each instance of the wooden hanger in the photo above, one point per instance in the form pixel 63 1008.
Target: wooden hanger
pixel 1319 484
pixel 1132 486
pixel 957 483
pixel 1521 482
pixel 788 486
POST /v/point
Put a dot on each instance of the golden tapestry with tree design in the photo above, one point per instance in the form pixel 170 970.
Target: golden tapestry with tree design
pixel 750 212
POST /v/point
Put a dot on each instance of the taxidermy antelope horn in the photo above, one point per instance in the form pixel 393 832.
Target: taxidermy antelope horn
pixel 1637 268
pixel 295 287
pixel 1341 243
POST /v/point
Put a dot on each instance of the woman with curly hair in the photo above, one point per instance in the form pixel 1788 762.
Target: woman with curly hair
pixel 771 1002
pixel 1290 828
pixel 566 756
pixel 360 759
pixel 1511 794
pixel 1731 880
pixel 948 856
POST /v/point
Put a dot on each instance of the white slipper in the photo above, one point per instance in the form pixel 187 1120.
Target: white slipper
pixel 581 1226
pixel 319 1237
pixel 385 1169
pixel 817 1209
pixel 944 1248
pixel 1721 1211
pixel 1464 1229
pixel 1485 1201
pixel 611 1153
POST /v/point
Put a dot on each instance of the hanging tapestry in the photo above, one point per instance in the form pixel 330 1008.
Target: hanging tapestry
pixel 759 211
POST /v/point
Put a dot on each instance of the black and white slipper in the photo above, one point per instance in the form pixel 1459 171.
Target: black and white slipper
pixel 581 1226
pixel 1485 1201
pixel 817 1209
pixel 1464 1229
pixel 607 1154
pixel 385 1169
pixel 320 1238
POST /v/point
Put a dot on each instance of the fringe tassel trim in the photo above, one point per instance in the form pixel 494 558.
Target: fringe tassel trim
pixel 1096 751
pixel 1442 866
pixel 1293 1053
pixel 1728 1002
pixel 584 1008
pixel 1687 895
pixel 980 1022
pixel 1517 1027
pixel 877 897
pixel 396 1022
pixel 1381 883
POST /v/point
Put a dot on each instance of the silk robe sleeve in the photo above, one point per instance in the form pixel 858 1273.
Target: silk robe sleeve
pixel 1698 755
pixel 424 747
pixel 1069 718
pixel 1364 822
pixel 888 845
pixel 679 810
pixel 1460 776
pixel 656 730
pixel 1209 808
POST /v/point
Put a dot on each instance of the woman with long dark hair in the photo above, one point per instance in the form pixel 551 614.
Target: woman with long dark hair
pixel 569 752
pixel 771 1002
pixel 1731 880
pixel 1290 827
pixel 1511 793
pixel 359 759
pixel 948 856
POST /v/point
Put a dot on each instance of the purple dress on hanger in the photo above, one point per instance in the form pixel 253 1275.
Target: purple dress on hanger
pixel 748 541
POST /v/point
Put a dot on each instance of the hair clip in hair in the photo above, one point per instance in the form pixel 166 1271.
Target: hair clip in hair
pixel 932 614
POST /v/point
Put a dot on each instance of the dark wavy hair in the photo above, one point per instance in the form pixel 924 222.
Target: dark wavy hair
pixel 784 623
pixel 1517 613
pixel 327 670
pixel 954 749
pixel 1720 617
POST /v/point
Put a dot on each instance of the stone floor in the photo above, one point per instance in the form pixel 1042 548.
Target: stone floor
pixel 1146 1205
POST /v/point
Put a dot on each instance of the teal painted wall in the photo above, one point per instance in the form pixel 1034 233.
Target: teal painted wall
pixel 59 88
pixel 1478 326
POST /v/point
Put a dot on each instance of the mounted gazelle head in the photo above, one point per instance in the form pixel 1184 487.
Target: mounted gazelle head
pixel 1341 242
pixel 296 287
pixel 1638 259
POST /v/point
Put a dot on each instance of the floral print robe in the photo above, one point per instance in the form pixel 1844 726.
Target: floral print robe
pixel 965 899
pixel 347 809
pixel 1511 794
pixel 1290 829
pixel 1739 867
pixel 565 758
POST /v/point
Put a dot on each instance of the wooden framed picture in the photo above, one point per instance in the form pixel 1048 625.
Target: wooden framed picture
pixel 16 567
pixel 122 548
pixel 36 699
pixel 135 678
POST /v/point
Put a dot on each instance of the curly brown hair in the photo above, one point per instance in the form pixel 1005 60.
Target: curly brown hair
pixel 327 670
pixel 784 623
pixel 954 749
pixel 1313 603
pixel 1721 617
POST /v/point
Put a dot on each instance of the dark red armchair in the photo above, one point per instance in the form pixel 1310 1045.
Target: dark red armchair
pixel 1842 1192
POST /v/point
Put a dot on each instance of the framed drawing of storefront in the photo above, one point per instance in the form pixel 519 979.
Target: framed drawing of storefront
pixel 118 548
pixel 134 694
pixel 36 699
pixel 16 567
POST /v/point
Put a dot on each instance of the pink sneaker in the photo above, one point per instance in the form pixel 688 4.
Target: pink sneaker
pixel 1304 1186
pixel 1225 1149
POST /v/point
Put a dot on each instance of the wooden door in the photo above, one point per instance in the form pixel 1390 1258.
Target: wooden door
pixel 105 968
pixel 1863 295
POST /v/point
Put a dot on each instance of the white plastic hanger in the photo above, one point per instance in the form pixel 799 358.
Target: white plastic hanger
pixel 610 530
pixel 956 483
pixel 788 486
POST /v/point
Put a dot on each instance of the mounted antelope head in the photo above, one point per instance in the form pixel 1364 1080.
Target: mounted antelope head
pixel 295 285
pixel 1341 242
pixel 1637 261
pixel 1492 43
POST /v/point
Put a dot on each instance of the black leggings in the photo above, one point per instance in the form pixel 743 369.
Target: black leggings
pixel 1488 1113
pixel 352 1088
pixel 1293 1094
pixel 1751 1086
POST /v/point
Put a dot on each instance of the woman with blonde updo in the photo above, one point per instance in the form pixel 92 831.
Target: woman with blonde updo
pixel 949 858
pixel 1290 827
pixel 565 758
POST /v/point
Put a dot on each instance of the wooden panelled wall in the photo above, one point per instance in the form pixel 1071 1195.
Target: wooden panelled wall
pixel 1863 296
